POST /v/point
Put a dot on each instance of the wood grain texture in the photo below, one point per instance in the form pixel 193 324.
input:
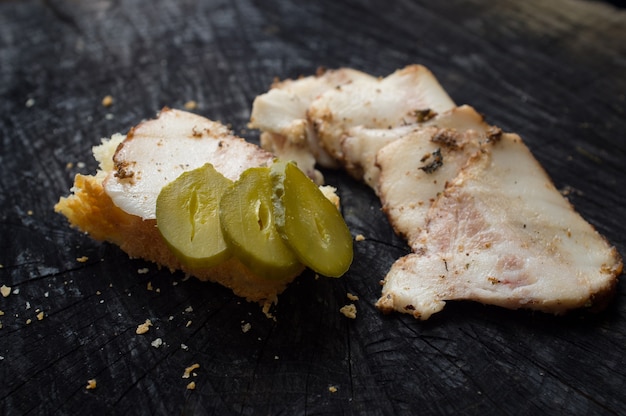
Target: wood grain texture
pixel 551 71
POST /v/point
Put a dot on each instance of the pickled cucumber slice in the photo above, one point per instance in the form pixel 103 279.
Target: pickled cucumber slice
pixel 187 217
pixel 249 229
pixel 310 224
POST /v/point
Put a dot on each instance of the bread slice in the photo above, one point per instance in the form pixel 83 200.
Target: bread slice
pixel 91 209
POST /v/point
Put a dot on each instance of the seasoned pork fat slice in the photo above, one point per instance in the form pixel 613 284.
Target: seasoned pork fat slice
pixel 415 170
pixel 361 145
pixel 157 151
pixel 403 97
pixel 281 115
pixel 502 234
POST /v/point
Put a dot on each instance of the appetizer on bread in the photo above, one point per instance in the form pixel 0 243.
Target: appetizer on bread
pixel 159 194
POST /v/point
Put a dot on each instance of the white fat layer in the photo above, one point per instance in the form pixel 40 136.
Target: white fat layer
pixel 382 103
pixel 502 234
pixel 157 151
pixel 281 114
pixel 361 145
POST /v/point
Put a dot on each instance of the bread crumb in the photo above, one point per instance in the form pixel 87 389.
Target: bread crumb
pixel 267 305
pixel 82 259
pixel 143 328
pixel 191 385
pixel 359 237
pixel 143 270
pixel 349 311
pixel 332 389
pixel 184 347
pixel 149 286
pixel 352 297
pixel 5 290
pixel 190 105
pixel 30 102
pixel 157 343
pixel 29 212
pixel 246 327
pixel 1 313
pixel 29 321
pixel 330 194
pixel 40 316
pixel 189 370
pixel 189 309
pixel 107 101
pixel 188 324
pixel 91 384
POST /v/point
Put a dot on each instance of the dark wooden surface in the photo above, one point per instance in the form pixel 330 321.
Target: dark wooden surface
pixel 553 72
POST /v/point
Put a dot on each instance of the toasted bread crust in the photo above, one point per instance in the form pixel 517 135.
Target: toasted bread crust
pixel 91 210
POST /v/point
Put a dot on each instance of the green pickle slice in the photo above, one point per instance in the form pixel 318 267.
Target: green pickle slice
pixel 249 228
pixel 311 225
pixel 187 217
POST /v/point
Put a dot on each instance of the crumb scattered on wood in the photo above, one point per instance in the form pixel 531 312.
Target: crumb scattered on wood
pixel 5 290
pixel 91 384
pixel 189 370
pixel 191 385
pixel 359 237
pixel 246 327
pixel 107 101
pixel 157 343
pixel 82 259
pixel 352 297
pixel 332 389
pixel 143 328
pixel 349 311
pixel 191 105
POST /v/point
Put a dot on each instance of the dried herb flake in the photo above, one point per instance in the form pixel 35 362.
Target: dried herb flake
pixel 436 163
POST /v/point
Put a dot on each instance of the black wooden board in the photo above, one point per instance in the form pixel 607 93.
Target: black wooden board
pixel 551 71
